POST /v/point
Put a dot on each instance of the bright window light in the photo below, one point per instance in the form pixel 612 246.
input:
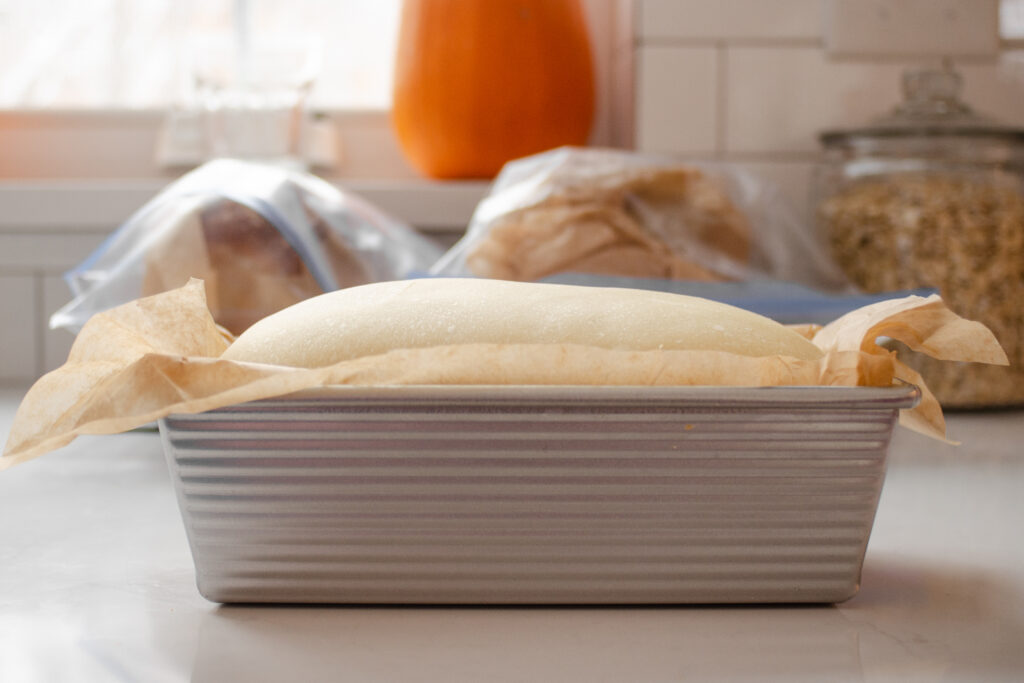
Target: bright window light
pixel 145 54
pixel 1011 19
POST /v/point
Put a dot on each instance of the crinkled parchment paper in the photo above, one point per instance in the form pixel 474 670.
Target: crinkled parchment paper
pixel 159 355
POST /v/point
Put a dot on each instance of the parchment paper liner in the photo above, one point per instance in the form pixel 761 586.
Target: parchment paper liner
pixel 159 355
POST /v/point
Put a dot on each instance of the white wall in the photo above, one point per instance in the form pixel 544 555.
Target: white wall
pixel 752 81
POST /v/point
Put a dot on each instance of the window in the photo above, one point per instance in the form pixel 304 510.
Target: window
pixel 151 54
pixel 145 88
pixel 107 89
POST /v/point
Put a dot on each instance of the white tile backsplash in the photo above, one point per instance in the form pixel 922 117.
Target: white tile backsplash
pixel 997 89
pixel 19 346
pixel 766 85
pixel 779 98
pixel 729 19
pixel 912 27
pixel 677 99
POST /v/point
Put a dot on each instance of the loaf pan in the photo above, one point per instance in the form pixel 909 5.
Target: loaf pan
pixel 534 494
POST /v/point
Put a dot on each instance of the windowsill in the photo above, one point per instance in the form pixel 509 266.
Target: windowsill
pixel 100 205
pixel 115 144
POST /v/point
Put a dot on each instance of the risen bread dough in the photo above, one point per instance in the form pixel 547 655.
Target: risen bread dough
pixel 375 318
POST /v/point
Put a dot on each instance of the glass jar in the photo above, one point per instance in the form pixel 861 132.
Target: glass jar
pixel 932 195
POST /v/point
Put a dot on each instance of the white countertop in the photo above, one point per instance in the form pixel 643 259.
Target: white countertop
pixel 96 584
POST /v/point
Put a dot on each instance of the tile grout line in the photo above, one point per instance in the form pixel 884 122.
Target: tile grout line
pixel 39 342
pixel 721 100
pixel 637 47
pixel 711 41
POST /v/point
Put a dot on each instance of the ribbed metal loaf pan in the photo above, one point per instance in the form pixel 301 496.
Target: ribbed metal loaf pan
pixel 534 494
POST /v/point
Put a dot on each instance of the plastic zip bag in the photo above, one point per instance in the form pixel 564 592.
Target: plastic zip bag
pixel 626 214
pixel 261 237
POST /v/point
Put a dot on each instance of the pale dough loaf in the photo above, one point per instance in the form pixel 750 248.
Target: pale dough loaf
pixel 376 318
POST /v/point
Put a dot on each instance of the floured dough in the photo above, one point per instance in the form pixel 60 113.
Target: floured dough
pixel 375 318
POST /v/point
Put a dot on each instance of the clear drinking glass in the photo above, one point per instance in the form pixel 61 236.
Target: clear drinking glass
pixel 252 102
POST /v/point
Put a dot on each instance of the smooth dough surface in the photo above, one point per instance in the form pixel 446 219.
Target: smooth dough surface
pixel 376 318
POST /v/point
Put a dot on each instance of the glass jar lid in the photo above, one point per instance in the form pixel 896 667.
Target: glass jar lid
pixel 931 107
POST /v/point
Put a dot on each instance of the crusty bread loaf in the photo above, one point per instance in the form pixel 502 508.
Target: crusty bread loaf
pixel 375 318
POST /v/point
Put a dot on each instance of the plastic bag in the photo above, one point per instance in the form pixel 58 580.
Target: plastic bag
pixel 261 237
pixel 617 213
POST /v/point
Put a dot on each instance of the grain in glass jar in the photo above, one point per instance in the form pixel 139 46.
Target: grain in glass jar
pixel 932 195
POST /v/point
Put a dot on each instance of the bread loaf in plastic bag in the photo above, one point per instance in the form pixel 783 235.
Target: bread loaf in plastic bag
pixel 261 237
pixel 619 213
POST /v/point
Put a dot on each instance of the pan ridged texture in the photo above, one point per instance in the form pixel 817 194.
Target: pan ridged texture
pixel 534 495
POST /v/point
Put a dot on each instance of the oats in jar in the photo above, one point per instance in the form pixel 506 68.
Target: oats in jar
pixel 963 235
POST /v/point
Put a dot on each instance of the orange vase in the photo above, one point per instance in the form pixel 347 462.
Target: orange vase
pixel 481 82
